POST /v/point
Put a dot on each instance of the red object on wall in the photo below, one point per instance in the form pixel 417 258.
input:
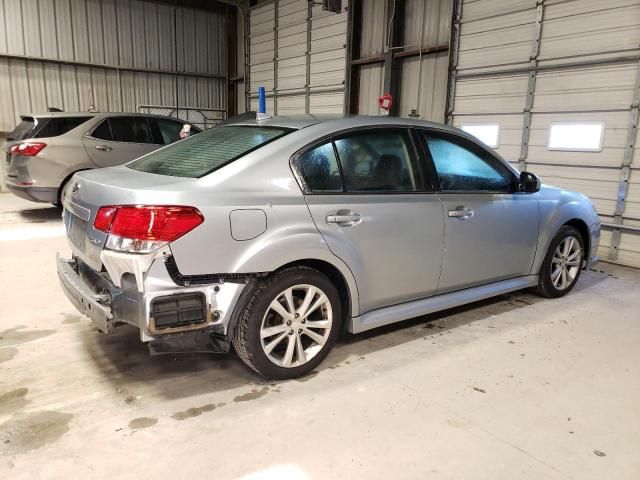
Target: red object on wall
pixel 385 101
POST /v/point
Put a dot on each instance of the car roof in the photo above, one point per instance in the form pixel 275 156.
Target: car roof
pixel 94 114
pixel 341 121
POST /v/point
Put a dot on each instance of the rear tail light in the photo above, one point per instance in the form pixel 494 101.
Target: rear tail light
pixel 144 228
pixel 27 149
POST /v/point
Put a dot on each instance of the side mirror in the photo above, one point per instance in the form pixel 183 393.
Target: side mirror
pixel 529 182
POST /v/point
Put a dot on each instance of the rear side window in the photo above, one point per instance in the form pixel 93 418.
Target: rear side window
pixel 377 160
pixel 130 129
pixel 102 131
pixel 57 126
pixel 25 129
pixel 203 153
pixel 166 131
pixel 319 169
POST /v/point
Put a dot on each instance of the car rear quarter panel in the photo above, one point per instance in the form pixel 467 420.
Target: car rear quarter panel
pixel 260 181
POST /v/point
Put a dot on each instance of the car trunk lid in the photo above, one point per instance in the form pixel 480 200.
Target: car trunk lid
pixel 93 189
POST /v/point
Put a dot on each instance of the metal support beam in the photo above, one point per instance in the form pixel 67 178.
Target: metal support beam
pixel 354 41
pixel 307 79
pixel 531 87
pixel 76 63
pixel 247 58
pixel 392 67
pixel 275 55
pixel 627 160
pixel 454 48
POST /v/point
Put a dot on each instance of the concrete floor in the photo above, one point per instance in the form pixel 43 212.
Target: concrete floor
pixel 514 388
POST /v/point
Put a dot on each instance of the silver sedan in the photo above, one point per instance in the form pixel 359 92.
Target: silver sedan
pixel 274 236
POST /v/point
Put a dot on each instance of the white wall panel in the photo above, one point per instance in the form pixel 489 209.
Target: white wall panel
pixel 499 35
pixel 107 35
pixel 297 53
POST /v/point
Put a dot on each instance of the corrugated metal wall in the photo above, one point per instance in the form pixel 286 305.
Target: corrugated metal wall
pixel 427 23
pixel 112 55
pixel 297 52
pixel 528 63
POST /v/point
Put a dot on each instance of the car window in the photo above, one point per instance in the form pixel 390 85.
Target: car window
pixel 201 154
pixel 166 131
pixel 102 131
pixel 130 129
pixel 319 169
pixel 57 126
pixel 377 160
pixel 461 169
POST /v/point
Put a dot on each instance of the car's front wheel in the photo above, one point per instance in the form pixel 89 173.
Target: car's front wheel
pixel 289 322
pixel 562 265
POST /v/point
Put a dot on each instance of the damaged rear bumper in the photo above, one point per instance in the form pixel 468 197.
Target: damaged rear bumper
pixel 82 297
pixel 172 318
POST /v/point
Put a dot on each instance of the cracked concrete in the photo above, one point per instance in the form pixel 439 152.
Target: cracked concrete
pixel 515 387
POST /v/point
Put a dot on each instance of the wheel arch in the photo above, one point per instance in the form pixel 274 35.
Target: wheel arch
pixel 66 179
pixel 336 277
pixel 583 229
pixel 347 289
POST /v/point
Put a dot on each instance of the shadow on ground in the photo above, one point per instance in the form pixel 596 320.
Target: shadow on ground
pixel 125 361
pixel 40 215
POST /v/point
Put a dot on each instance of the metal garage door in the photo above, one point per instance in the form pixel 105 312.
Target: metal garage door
pixel 531 67
pixel 297 52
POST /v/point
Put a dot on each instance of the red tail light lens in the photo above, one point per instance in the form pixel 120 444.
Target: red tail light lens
pixel 147 222
pixel 28 149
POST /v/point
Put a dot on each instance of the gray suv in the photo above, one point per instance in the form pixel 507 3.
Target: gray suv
pixel 272 236
pixel 45 150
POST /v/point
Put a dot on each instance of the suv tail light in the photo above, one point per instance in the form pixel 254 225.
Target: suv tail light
pixel 28 149
pixel 144 228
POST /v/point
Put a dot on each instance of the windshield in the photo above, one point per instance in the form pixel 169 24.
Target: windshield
pixel 203 153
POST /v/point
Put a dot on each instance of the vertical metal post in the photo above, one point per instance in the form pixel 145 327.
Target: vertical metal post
pixel 307 80
pixel 454 47
pixel 392 66
pixel 623 186
pixel 354 39
pixel 531 87
pixel 175 54
pixel 275 57
pixel 247 59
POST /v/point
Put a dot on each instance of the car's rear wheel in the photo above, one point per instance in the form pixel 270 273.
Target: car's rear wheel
pixel 289 323
pixel 562 265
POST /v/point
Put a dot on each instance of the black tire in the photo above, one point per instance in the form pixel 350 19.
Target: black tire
pixel 546 287
pixel 246 336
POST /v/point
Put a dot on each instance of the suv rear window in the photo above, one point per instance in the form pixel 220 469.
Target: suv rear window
pixel 56 126
pixel 203 153
pixel 44 127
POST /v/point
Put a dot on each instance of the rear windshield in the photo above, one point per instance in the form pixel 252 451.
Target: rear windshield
pixel 25 129
pixel 56 126
pixel 203 153
pixel 31 127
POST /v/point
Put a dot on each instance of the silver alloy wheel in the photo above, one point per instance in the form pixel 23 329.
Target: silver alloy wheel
pixel 565 263
pixel 296 325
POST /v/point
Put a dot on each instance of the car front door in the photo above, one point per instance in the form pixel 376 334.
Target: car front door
pixel 491 231
pixel 118 139
pixel 368 198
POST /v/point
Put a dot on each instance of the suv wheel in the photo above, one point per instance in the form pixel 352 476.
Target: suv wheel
pixel 562 265
pixel 289 323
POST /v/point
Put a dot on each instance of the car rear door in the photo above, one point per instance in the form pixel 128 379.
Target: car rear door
pixel 367 195
pixel 491 231
pixel 119 139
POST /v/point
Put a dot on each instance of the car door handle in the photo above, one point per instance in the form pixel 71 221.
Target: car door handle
pixel 343 218
pixel 461 213
pixel 104 148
